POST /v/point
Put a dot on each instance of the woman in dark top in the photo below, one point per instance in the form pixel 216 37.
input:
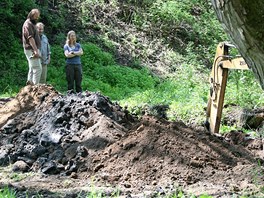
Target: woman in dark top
pixel 73 51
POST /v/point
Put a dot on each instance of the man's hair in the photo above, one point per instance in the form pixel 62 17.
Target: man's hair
pixel 32 13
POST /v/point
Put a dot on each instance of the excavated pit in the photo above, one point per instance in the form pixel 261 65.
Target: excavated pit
pixel 88 139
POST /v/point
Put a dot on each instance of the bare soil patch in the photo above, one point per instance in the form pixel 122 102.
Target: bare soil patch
pixel 72 144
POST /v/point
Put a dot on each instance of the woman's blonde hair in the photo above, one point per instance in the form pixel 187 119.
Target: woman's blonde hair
pixel 40 24
pixel 68 37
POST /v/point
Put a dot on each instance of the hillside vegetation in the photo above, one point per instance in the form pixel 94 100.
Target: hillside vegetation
pixel 142 54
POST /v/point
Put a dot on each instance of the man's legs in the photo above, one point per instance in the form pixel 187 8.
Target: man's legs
pixel 35 68
pixel 28 53
pixel 43 74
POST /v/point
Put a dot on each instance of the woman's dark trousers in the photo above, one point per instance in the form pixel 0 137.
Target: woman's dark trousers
pixel 74 75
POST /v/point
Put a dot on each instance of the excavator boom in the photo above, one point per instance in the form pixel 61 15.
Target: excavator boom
pixel 218 80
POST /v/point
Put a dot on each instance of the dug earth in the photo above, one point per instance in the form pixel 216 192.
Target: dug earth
pixel 70 145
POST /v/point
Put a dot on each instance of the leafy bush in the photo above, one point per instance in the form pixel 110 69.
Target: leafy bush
pixel 114 80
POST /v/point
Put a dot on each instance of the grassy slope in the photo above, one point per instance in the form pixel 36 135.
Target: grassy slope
pixel 168 47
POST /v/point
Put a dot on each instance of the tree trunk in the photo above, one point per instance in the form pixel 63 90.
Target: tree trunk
pixel 243 21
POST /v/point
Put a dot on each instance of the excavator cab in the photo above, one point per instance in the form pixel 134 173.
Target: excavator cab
pixel 223 62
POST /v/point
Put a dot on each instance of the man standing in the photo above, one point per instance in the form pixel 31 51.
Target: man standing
pixel 32 45
pixel 45 52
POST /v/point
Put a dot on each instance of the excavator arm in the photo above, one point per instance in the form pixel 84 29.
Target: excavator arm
pixel 218 80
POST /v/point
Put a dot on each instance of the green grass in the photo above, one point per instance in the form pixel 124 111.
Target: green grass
pixel 101 73
pixel 7 193
pixel 244 90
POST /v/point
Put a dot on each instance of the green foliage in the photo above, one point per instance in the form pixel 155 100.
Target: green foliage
pixel 226 129
pixel 98 194
pixel 96 55
pixel 101 66
pixel 60 17
pixel 118 82
pixel 181 23
pixel 171 11
pixel 12 70
pixel 205 196
pixel 13 13
pixel 7 193
pixel 100 73
pixel 111 79
pixel 56 69
pixel 185 93
pixel 244 90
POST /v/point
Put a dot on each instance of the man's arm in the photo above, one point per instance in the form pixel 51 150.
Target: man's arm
pixel 33 45
pixel 49 53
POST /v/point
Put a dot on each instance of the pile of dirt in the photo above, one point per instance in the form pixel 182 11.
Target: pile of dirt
pixel 89 140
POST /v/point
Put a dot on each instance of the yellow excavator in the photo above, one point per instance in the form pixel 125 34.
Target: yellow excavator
pixel 223 62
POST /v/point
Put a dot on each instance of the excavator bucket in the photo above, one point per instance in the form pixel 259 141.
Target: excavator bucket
pixel 218 80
